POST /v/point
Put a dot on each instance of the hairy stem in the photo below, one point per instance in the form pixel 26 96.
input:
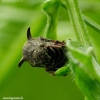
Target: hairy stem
pixel 87 20
pixel 77 22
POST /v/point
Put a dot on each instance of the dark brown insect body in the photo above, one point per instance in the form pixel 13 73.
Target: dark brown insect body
pixel 42 52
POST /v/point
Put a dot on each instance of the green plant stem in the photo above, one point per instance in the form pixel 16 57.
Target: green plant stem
pixel 87 20
pixel 77 22
pixel 91 23
pixel 51 8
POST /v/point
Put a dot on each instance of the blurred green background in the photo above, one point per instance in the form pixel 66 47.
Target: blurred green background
pixel 35 83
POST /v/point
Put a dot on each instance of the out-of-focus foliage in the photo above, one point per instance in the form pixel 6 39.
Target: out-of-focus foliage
pixel 35 83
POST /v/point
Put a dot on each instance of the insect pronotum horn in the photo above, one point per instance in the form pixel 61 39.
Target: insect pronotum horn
pixel 29 36
pixel 21 62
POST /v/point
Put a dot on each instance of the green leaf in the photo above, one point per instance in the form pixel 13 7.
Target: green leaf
pixel 85 70
pixel 62 71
